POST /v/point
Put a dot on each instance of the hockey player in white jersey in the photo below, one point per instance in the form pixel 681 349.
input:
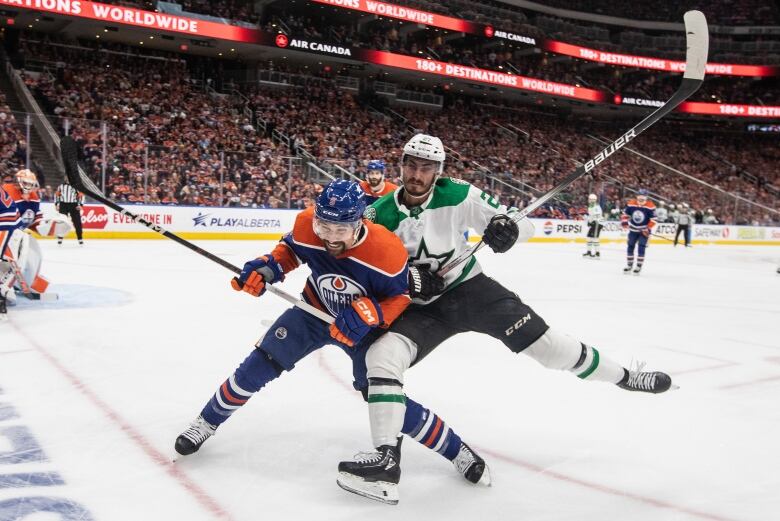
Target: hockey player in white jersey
pixel 595 224
pixel 430 214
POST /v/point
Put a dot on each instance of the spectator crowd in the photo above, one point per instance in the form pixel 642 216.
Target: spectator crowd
pixel 170 139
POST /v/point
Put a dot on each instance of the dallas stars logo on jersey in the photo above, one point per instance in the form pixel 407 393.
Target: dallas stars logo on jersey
pixel 423 257
pixel 435 232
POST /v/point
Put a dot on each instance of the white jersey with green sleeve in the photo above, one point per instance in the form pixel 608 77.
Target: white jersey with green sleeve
pixel 435 232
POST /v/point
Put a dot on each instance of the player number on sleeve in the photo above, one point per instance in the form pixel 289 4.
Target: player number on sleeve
pixel 489 200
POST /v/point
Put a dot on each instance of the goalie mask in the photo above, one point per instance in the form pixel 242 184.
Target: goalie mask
pixel 26 181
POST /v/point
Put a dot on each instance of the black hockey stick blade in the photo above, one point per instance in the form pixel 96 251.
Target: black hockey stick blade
pixel 79 179
pixel 697 41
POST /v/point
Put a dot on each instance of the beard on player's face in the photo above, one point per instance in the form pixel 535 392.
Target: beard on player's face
pixel 419 175
pixel 374 180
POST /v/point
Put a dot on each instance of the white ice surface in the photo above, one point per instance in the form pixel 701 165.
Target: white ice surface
pixel 144 332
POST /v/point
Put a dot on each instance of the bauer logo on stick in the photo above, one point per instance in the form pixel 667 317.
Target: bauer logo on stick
pixel 611 149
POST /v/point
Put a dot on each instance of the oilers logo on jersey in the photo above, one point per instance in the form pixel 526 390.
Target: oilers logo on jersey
pixel 338 291
pixel 638 217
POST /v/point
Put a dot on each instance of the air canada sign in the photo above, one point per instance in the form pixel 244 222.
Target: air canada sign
pixel 306 45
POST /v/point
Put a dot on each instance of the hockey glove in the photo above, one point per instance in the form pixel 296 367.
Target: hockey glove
pixel 356 321
pixel 501 233
pixel 423 283
pixel 256 274
pixel 646 232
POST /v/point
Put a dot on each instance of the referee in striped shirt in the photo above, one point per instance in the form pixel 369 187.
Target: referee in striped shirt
pixel 68 201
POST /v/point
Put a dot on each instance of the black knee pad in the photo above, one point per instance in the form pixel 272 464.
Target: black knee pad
pixel 583 356
pixel 278 368
pixel 384 381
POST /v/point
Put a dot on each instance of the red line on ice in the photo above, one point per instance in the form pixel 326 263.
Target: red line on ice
pixel 156 456
pixel 323 363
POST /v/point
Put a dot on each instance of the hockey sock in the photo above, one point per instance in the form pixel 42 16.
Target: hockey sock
pixel 596 245
pixel 556 350
pixel 630 260
pixel 386 410
pixel 430 430
pixel 592 365
pixel 640 261
pixel 252 375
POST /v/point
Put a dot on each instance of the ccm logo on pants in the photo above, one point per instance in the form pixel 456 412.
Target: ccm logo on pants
pixel 517 325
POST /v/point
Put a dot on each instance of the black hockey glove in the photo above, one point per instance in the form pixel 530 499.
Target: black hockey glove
pixel 501 233
pixel 423 283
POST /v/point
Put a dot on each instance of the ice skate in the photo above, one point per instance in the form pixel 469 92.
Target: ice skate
pixel 472 466
pixel 374 475
pixel 637 270
pixel 597 255
pixel 3 309
pixel 198 432
pixel 627 269
pixel 646 381
pixel 587 255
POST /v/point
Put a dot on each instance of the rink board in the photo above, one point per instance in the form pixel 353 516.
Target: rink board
pixel 199 223
pixel 96 386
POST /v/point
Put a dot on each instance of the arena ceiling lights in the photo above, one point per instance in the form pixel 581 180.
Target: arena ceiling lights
pixel 408 14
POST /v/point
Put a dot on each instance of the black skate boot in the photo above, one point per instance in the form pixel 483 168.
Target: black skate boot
pixel 472 466
pixel 587 255
pixel 597 255
pixel 198 432
pixel 3 309
pixel 627 269
pixel 647 382
pixel 374 475
pixel 637 270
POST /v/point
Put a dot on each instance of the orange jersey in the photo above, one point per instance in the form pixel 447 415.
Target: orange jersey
pixel 29 205
pixel 374 267
pixel 372 196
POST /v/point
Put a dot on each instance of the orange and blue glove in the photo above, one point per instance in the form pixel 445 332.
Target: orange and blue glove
pixel 256 274
pixel 356 321
pixel 646 232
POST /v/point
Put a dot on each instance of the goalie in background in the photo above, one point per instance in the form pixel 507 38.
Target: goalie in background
pixel 19 255
pixel 68 201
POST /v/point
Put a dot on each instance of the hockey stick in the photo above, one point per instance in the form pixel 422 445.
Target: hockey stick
pixel 697 39
pixel 662 237
pixel 78 178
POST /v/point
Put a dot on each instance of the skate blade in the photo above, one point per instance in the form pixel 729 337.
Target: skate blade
pixel 486 480
pixel 381 491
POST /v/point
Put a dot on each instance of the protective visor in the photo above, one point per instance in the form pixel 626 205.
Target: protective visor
pixel 335 232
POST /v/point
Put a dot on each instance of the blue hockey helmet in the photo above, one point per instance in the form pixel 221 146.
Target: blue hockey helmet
pixel 376 164
pixel 642 191
pixel 342 202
